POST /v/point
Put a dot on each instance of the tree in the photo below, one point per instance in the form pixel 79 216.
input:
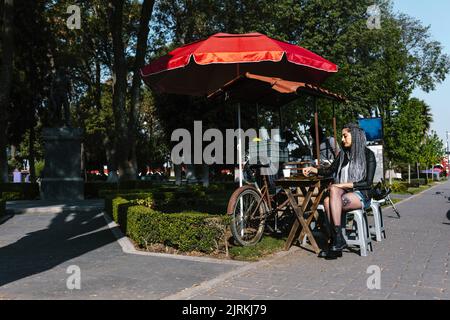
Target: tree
pixel 7 54
pixel 379 69
pixel 431 150
pixel 126 132
pixel 406 133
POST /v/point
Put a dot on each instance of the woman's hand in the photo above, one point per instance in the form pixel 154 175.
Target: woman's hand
pixel 307 171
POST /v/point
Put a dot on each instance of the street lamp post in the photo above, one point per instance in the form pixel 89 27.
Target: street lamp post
pixel 448 154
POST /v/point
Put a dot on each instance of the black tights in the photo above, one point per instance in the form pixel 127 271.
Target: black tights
pixel 340 202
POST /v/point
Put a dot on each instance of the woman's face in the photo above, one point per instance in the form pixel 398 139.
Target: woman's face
pixel 346 138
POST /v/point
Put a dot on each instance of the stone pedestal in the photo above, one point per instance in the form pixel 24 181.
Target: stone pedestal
pixel 61 177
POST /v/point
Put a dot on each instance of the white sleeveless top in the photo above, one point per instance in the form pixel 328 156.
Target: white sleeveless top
pixel 344 174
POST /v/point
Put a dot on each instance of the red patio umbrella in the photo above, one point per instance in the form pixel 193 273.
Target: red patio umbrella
pixel 202 67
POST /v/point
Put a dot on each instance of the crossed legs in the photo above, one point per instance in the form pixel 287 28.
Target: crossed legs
pixel 340 202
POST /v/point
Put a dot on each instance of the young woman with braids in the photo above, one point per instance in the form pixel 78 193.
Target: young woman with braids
pixel 353 173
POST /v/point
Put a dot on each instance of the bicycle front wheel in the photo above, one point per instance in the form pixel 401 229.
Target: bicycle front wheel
pixel 248 210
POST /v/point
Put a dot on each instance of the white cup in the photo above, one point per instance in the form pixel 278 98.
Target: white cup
pixel 287 173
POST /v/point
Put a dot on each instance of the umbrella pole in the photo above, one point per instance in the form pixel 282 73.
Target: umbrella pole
pixel 316 122
pixel 334 128
pixel 239 136
pixel 240 146
pixel 241 204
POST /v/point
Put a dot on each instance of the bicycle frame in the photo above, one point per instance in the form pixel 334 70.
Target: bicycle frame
pixel 268 199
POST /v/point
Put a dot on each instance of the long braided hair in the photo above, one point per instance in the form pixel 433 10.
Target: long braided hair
pixel 356 154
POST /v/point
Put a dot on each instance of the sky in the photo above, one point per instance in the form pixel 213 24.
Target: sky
pixel 436 14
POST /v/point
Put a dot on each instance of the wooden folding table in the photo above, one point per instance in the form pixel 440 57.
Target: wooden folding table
pixel 312 190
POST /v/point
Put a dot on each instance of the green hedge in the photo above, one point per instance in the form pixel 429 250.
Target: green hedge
pixel 399 187
pixel 189 231
pixel 19 191
pixel 117 205
pixel 167 202
pixel 418 182
pixel 2 207
pixel 102 190
pixel 94 189
pixel 182 200
pixel 109 200
pixel 115 192
pixel 11 196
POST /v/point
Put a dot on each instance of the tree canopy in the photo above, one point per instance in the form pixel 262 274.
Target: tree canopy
pixel 53 75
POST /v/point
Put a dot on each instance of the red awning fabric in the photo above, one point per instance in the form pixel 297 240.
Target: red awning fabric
pixel 251 88
pixel 202 67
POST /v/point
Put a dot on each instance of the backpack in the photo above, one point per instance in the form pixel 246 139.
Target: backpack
pixel 379 192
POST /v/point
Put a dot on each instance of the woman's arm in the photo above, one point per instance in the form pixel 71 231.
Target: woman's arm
pixel 328 172
pixel 371 167
pixel 345 186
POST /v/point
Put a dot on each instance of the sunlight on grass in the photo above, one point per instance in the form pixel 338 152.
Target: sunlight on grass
pixel 266 246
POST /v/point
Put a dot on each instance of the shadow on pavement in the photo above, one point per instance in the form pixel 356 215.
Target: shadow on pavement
pixel 70 234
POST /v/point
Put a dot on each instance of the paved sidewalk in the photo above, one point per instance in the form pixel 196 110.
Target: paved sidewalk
pixel 414 260
pixel 37 247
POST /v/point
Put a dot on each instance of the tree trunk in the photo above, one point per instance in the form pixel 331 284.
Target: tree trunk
pixel 7 38
pixel 141 49
pixel 110 159
pixel 13 152
pixel 32 155
pixel 83 162
pixel 126 134
pixel 409 174
pixel 120 86
pixel 178 177
pixel 98 86
pixel 205 175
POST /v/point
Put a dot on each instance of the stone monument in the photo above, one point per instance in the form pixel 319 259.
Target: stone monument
pixel 61 177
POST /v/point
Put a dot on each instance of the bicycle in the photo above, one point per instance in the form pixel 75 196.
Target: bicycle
pixel 252 207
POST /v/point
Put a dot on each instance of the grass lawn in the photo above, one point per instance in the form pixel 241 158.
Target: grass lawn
pixel 267 246
pixel 419 189
pixel 413 191
pixel 423 188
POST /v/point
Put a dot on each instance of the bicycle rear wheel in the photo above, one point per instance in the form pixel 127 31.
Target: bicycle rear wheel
pixel 248 211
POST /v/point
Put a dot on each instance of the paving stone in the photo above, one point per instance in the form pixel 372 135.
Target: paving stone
pixel 33 263
pixel 428 293
pixel 414 260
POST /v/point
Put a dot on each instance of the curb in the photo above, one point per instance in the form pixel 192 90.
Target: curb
pixel 39 206
pixel 6 218
pixel 128 247
pixel 51 209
